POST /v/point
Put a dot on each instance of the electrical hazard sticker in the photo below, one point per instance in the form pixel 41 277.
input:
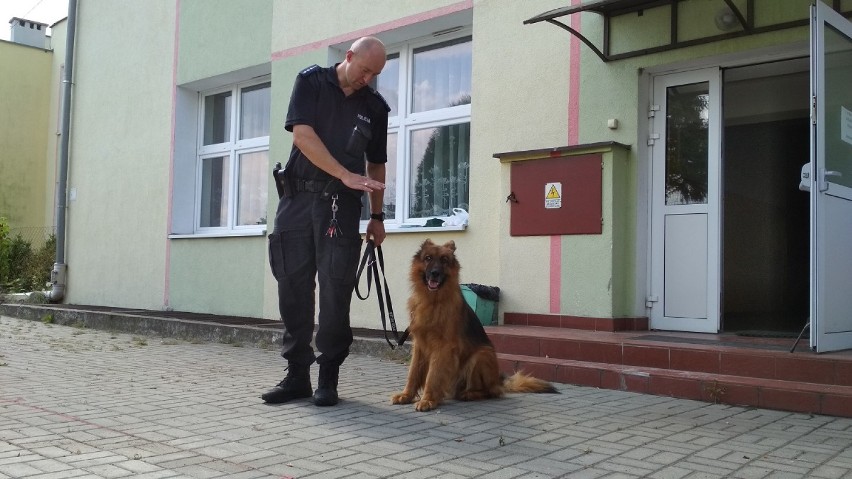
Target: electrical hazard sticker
pixel 553 195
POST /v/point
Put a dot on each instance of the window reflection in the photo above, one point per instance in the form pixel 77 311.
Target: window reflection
pixel 687 137
pixel 389 207
pixel 251 194
pixel 441 164
pixel 387 83
pixel 217 118
pixel 442 75
pixel 255 104
pixel 214 192
pixel 838 106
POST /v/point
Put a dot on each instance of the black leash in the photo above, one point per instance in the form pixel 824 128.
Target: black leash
pixel 375 262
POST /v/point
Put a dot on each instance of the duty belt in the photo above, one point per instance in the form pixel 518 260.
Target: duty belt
pixel 311 186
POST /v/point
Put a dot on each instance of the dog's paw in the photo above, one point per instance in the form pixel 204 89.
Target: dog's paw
pixel 424 405
pixel 401 398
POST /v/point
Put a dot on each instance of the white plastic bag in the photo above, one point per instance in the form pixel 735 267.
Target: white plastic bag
pixel 458 218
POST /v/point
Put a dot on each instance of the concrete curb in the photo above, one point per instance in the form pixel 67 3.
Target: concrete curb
pixel 266 337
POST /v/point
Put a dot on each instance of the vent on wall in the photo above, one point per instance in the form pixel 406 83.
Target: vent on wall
pixel 28 32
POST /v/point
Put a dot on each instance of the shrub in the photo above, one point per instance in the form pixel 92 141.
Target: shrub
pixel 21 268
pixel 5 247
pixel 36 274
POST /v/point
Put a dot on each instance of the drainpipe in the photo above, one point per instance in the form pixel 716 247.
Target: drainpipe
pixel 57 275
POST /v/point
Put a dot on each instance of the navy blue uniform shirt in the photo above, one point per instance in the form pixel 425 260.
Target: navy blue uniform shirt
pixel 350 127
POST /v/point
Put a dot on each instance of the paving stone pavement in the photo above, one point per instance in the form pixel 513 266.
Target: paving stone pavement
pixel 83 403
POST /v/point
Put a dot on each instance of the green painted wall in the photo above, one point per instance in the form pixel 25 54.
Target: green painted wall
pixel 119 251
pixel 301 23
pixel 220 36
pixel 221 275
pixel 24 133
pixel 118 175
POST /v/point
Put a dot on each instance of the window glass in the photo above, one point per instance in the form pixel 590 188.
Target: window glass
pixel 388 83
pixel 441 75
pixel 429 87
pixel 390 177
pixel 838 102
pixel 233 162
pixel 251 194
pixel 214 192
pixel 687 139
pixel 255 103
pixel 440 165
pixel 217 118
pixel 389 206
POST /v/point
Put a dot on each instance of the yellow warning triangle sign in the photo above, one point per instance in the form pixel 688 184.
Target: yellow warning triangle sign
pixel 552 194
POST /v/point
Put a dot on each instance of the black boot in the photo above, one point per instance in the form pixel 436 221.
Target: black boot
pixel 297 384
pixel 326 393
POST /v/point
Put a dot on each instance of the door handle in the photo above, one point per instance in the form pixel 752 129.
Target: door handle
pixel 823 184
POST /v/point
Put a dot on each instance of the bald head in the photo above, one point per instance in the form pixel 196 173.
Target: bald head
pixel 364 60
pixel 368 45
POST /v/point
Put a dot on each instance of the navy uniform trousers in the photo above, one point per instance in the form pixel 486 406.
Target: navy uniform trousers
pixel 301 254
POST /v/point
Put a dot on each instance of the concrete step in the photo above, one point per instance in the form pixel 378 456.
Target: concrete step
pixel 728 355
pixel 786 395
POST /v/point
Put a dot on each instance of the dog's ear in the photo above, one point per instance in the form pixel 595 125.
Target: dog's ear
pixel 451 245
pixel 423 247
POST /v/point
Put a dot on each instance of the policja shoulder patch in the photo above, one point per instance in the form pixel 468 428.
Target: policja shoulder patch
pixel 382 99
pixel 311 69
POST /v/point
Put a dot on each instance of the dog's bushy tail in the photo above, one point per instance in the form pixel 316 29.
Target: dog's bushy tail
pixel 523 383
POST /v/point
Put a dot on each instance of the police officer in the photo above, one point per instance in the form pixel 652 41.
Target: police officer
pixel 337 122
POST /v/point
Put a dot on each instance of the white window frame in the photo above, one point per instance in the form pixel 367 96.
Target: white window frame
pixel 403 123
pixel 232 149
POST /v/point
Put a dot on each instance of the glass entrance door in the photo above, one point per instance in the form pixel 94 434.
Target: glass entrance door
pixel 831 180
pixel 685 206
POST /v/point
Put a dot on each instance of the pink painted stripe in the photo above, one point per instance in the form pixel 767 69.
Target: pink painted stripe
pixel 168 252
pixel 573 139
pixel 555 274
pixel 373 30
pixel 574 82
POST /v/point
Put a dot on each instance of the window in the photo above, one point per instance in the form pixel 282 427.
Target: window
pixel 428 87
pixel 233 155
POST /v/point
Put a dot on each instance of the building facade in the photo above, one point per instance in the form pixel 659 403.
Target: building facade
pixel 619 160
pixel 28 137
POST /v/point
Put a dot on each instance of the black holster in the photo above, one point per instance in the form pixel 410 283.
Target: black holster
pixel 283 182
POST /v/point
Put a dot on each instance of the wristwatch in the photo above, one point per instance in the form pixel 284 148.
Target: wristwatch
pixel 377 216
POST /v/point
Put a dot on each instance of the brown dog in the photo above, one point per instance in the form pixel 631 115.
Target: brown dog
pixel 451 354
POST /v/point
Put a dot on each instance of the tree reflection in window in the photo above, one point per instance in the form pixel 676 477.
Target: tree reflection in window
pixel 687 134
pixel 441 178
